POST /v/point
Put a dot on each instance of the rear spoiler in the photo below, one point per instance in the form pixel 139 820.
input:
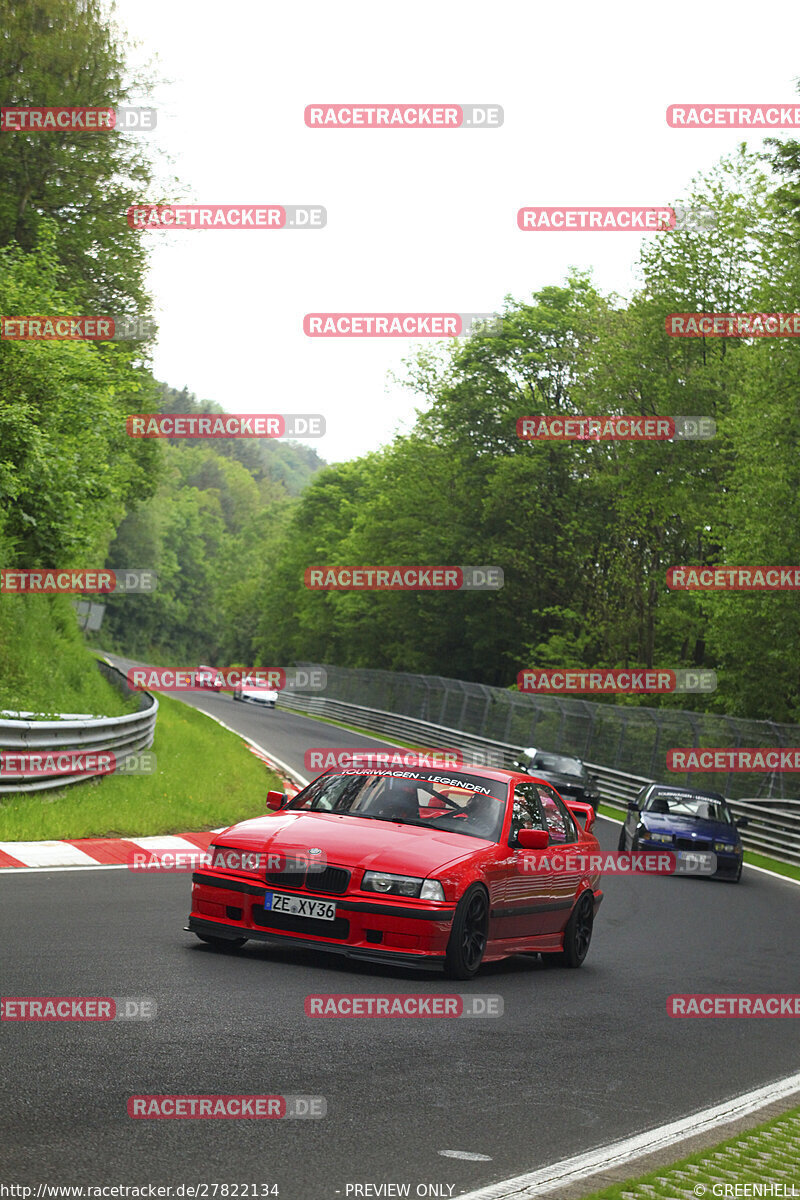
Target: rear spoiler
pixel 579 809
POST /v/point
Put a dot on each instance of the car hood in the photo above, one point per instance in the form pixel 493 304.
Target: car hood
pixel 355 842
pixel 682 827
pixel 259 693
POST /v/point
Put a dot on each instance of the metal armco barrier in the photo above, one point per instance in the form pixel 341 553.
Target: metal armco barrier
pixel 774 827
pixel 122 735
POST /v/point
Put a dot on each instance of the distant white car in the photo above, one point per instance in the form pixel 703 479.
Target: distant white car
pixel 248 690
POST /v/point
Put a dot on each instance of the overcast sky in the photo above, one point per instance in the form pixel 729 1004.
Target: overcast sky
pixel 417 220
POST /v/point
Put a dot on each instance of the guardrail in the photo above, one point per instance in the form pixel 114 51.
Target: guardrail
pixel 121 735
pixel 774 823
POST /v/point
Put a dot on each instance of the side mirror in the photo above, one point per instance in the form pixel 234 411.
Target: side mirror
pixel 276 800
pixel 741 822
pixel 633 806
pixel 533 839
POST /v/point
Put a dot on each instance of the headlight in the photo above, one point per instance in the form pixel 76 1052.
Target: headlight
pixel 660 837
pixel 725 847
pixel 391 885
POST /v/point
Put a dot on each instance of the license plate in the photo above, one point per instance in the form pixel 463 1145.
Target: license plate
pixel 300 906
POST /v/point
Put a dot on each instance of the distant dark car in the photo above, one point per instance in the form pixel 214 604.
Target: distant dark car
pixel 568 775
pixel 664 815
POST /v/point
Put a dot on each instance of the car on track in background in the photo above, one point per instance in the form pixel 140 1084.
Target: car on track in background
pixel 666 816
pixel 425 868
pixel 252 692
pixel 208 677
pixel 568 775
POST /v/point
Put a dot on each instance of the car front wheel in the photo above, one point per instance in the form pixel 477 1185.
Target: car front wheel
pixel 621 844
pixel 468 935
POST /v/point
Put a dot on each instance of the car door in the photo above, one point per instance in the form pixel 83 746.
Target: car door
pixel 564 835
pixel 529 891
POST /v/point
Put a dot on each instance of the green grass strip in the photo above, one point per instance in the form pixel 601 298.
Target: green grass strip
pixel 764 1155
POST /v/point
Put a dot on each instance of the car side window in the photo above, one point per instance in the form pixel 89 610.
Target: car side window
pixel 526 811
pixel 560 824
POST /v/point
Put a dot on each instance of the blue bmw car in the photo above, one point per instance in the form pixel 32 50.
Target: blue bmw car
pixel 664 816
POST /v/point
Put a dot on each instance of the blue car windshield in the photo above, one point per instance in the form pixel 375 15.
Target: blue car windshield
pixel 703 808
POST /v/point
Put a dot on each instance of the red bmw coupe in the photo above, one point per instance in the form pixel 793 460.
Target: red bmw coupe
pixel 419 867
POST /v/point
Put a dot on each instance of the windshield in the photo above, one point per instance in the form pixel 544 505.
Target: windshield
pixel 703 808
pixel 456 802
pixel 559 763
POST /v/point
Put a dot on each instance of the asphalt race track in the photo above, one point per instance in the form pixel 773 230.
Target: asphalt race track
pixel 579 1057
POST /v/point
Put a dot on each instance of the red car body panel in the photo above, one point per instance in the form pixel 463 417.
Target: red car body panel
pixel 528 909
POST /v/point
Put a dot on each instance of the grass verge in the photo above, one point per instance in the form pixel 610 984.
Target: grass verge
pixel 764 1155
pixel 205 777
pixel 45 666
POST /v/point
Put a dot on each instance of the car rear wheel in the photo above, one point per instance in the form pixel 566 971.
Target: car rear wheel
pixel 220 943
pixel 468 935
pixel 578 933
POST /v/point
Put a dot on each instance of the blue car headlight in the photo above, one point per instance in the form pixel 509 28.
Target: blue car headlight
pixel 725 847
pixel 655 837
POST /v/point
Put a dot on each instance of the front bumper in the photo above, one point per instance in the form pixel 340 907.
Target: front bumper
pixel 379 930
pixel 727 864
